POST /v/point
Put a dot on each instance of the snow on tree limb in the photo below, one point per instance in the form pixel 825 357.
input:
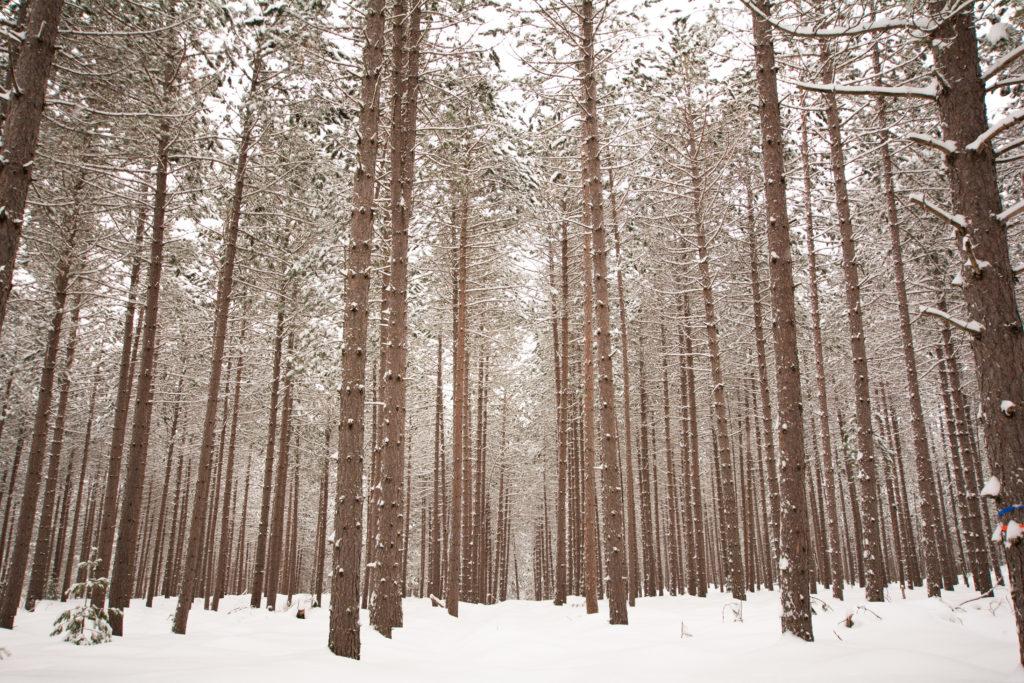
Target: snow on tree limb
pixel 955 219
pixel 1012 118
pixel 1000 64
pixel 927 93
pixel 972 326
pixel 856 29
pixel 934 142
pixel 1011 212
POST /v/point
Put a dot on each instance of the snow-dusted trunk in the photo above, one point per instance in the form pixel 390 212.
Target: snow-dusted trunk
pixel 108 517
pixel 828 470
pixel 162 518
pixel 966 487
pixel 276 543
pixel 385 593
pixel 762 376
pixel 123 570
pixel 222 306
pixel 40 575
pixel 793 541
pixel 614 542
pixel 434 584
pixel 453 578
pixel 343 637
pixel 590 571
pixel 627 427
pixel 321 522
pixel 867 470
pixel 23 112
pixel 76 521
pixel 22 540
pixel 563 501
pixel 728 510
pixel 928 504
pixel 674 554
pixel 698 555
pixel 988 292
pixel 229 477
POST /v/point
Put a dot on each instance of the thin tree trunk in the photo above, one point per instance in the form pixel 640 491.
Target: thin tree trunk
pixel 37 449
pixel 41 575
pixel 222 307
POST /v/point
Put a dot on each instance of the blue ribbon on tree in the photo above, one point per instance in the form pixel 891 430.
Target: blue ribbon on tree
pixel 1010 508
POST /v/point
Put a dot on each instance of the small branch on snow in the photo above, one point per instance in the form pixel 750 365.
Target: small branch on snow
pixel 972 326
pixel 987 594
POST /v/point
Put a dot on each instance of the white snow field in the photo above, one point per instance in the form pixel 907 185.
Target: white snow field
pixel 529 642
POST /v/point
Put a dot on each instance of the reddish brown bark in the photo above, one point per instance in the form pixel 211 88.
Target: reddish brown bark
pixel 343 637
pixel 23 112
pixel 793 541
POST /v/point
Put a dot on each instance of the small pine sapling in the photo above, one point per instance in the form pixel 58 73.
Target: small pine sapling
pixel 86 624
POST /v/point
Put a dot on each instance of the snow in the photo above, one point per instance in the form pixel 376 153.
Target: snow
pixel 948 147
pixel 972 326
pixel 1014 532
pixel 917 639
pixel 997 32
pixel 1012 118
pixel 992 488
pixel 1008 408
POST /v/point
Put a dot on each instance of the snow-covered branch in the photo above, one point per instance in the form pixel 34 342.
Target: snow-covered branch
pixel 972 326
pixel 1000 64
pixel 882 25
pixel 943 146
pixel 955 219
pixel 927 93
pixel 1012 118
pixel 1011 212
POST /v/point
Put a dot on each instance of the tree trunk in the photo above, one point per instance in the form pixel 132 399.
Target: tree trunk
pixel 37 449
pixel 867 474
pixel 220 326
pixel 828 474
pixel 793 541
pixel 611 490
pixel 41 575
pixel 23 113
pixel 277 547
pixel 343 637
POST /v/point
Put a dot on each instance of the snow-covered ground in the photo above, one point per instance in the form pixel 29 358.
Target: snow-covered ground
pixel 905 640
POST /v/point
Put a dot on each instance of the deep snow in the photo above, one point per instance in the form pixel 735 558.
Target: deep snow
pixel 909 640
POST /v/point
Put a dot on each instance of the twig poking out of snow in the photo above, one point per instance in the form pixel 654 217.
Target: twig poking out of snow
pixel 865 608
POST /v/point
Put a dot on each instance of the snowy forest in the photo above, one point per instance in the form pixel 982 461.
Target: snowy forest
pixel 584 340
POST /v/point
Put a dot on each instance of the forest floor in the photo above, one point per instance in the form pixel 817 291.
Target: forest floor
pixel 668 638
